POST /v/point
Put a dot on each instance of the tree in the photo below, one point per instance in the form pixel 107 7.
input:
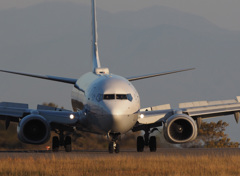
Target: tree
pixel 52 105
pixel 212 135
pixel 9 138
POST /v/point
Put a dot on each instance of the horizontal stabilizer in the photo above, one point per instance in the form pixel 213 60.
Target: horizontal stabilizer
pixel 47 77
pixel 134 78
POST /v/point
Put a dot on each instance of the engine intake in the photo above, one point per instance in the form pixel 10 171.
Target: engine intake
pixel 34 129
pixel 180 128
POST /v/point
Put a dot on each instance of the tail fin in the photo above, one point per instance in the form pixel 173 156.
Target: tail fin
pixel 95 55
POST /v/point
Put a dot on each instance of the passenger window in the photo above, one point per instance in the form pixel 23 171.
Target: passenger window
pixel 121 97
pixel 108 96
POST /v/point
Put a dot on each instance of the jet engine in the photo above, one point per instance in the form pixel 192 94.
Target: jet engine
pixel 34 129
pixel 180 128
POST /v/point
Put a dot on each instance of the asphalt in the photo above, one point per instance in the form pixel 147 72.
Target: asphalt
pixel 124 152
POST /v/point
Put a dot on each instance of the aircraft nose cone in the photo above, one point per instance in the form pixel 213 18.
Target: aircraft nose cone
pixel 120 113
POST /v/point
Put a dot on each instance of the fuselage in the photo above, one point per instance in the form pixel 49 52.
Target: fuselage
pixel 111 103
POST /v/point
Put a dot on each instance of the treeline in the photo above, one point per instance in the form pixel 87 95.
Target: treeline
pixel 211 135
pixel 80 140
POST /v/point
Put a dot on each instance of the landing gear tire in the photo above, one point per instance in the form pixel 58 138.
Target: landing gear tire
pixel 117 148
pixel 110 147
pixel 55 144
pixel 113 147
pixel 68 144
pixel 140 144
pixel 113 144
pixel 152 144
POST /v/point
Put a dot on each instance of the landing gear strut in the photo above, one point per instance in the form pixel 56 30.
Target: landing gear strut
pixel 113 146
pixel 146 141
pixel 62 140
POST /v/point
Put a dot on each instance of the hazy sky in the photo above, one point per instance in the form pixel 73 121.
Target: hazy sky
pixel 224 13
pixel 216 76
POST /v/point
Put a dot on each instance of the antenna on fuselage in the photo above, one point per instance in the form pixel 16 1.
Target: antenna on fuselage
pixel 95 55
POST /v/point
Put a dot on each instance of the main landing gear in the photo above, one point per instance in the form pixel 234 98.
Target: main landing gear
pixel 147 141
pixel 61 141
pixel 113 146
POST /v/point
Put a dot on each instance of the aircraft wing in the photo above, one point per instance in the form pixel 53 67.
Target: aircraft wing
pixel 55 117
pixel 156 116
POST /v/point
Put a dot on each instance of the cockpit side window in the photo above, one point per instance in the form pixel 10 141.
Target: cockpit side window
pixel 99 97
pixel 129 97
pixel 109 96
pixel 121 97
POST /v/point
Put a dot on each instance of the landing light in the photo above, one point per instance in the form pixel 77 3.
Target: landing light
pixel 71 116
pixel 141 116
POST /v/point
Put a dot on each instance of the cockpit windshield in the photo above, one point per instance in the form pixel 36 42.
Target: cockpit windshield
pixel 109 96
pixel 114 97
pixel 121 96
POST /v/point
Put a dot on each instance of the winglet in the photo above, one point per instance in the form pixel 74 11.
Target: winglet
pixel 95 55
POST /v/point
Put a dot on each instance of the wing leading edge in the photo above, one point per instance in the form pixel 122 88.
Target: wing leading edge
pixel 155 116
pixel 16 111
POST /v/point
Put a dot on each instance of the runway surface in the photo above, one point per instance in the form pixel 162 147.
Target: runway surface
pixel 130 152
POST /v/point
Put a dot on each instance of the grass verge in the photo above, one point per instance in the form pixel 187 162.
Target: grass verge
pixel 122 164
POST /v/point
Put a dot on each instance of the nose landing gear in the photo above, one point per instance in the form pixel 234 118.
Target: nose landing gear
pixel 113 145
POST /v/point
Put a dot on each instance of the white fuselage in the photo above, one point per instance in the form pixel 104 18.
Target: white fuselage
pixel 111 103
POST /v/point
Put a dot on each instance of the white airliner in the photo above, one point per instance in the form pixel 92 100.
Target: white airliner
pixel 108 104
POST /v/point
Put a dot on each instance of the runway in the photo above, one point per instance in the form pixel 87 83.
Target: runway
pixel 125 152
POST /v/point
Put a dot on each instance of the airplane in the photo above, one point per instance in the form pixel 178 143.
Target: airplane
pixel 108 104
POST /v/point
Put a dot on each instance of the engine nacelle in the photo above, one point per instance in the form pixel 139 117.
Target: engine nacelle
pixel 180 128
pixel 34 129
